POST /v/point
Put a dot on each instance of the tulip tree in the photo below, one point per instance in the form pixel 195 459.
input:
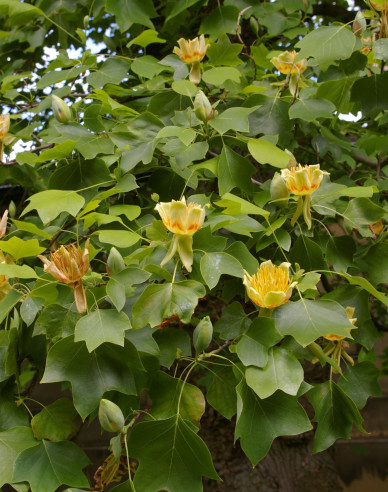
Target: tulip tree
pixel 193 221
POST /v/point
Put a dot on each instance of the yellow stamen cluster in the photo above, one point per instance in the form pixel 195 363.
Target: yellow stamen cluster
pixel 285 63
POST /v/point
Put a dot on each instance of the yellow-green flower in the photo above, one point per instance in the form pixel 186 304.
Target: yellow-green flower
pixel 4 125
pixel 286 64
pixel 303 180
pixel 192 53
pixel 69 264
pixel 350 313
pixel 271 286
pixel 183 220
pixel 3 223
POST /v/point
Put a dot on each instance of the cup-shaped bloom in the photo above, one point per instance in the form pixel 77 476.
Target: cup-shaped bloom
pixel 61 110
pixel 68 264
pixel 303 180
pixel 286 63
pixel 271 286
pixel 181 218
pixel 191 51
pixel 350 313
pixel 4 125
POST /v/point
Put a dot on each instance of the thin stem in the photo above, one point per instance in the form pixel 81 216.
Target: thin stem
pixel 128 464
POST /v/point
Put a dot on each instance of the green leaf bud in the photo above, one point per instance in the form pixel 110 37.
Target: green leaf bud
pixel 254 25
pixel 86 21
pixel 111 417
pixel 202 107
pixel 202 335
pixel 61 110
pixel 115 262
pixel 279 191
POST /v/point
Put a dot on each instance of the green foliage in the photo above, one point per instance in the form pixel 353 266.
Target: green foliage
pixel 104 315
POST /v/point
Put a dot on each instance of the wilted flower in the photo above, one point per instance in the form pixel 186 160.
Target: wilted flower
pixel 4 125
pixel 286 64
pixel 350 313
pixel 202 107
pixel 61 110
pixel 3 223
pixel 192 52
pixel 183 220
pixel 271 286
pixel 303 180
pixel 69 264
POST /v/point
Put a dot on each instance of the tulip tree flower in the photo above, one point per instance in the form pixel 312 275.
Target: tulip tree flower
pixel 192 53
pixel 69 264
pixel 302 181
pixel 183 220
pixel 3 223
pixel 4 129
pixel 202 107
pixel 287 65
pixel 271 286
pixel 350 313
pixel 4 285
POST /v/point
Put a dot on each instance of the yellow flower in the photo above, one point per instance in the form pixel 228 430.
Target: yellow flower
pixel 303 180
pixel 4 125
pixel 180 218
pixel 350 314
pixel 4 285
pixel 191 51
pixel 183 220
pixel 271 286
pixel 285 63
pixel 69 264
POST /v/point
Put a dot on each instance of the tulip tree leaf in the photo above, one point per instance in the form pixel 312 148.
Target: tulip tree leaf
pixel 267 153
pixel 161 301
pixel 259 422
pixel 307 320
pixel 221 390
pixel 360 382
pixel 234 171
pixel 282 371
pixel 51 203
pixel 91 374
pixel 12 443
pixel 335 413
pixel 51 464
pixel 170 454
pixel 369 93
pixel 165 393
pixel 19 271
pixel 100 326
pixel 55 422
pixel 232 119
pixel 213 265
pixel 18 248
pixel 311 109
pixel 130 12
pixel 327 44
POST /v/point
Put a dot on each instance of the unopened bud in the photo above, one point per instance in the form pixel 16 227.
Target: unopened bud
pixel 3 223
pixel 254 25
pixel 202 107
pixel 12 209
pixel 86 21
pixel 279 191
pixel 111 417
pixel 202 335
pixel 115 262
pixel 61 110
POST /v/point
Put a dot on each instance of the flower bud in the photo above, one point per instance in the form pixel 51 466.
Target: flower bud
pixel 61 110
pixel 202 335
pixel 111 417
pixel 115 262
pixel 86 21
pixel 202 107
pixel 278 190
pixel 4 125
pixel 254 25
pixel 359 24
pixel 12 209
